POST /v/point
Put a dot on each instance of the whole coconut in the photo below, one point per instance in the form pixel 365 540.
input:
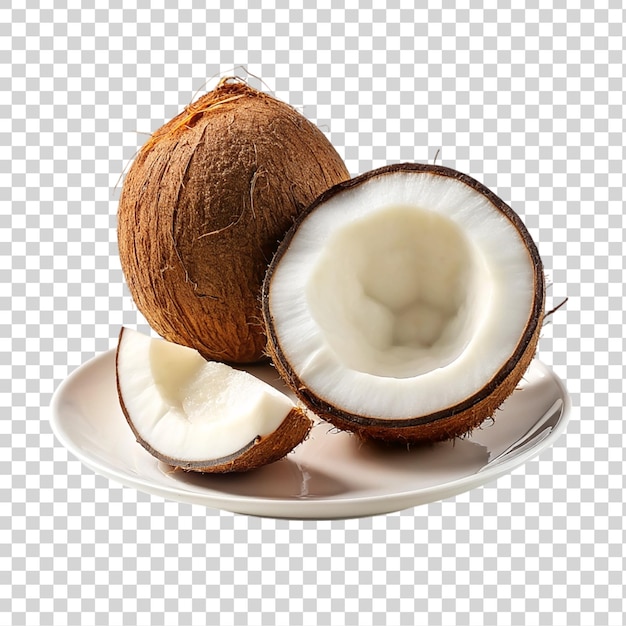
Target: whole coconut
pixel 203 208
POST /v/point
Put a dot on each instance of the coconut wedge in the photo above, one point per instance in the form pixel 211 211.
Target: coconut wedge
pixel 405 304
pixel 202 415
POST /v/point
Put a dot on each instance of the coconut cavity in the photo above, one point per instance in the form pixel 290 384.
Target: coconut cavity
pixel 203 208
pixel 405 304
pixel 408 296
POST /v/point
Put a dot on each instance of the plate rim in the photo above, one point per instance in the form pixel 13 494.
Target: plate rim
pixel 322 508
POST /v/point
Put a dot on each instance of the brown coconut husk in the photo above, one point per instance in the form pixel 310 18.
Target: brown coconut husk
pixel 203 208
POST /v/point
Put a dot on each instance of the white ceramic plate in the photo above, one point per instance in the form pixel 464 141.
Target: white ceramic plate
pixel 332 474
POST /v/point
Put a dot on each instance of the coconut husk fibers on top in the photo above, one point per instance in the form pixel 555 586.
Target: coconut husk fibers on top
pixel 203 208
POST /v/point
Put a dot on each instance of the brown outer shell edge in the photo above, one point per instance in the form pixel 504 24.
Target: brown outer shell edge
pixel 262 450
pixel 451 421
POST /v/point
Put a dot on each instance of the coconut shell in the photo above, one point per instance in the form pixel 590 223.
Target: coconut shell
pixel 203 208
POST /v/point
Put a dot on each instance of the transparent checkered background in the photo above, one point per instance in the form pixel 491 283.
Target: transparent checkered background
pixel 529 101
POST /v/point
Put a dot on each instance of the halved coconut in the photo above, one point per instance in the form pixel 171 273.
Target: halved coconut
pixel 405 304
pixel 202 415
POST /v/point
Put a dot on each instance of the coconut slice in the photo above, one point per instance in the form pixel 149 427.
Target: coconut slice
pixel 405 304
pixel 202 415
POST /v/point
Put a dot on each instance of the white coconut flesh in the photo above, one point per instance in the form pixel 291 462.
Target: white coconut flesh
pixel 401 296
pixel 189 409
